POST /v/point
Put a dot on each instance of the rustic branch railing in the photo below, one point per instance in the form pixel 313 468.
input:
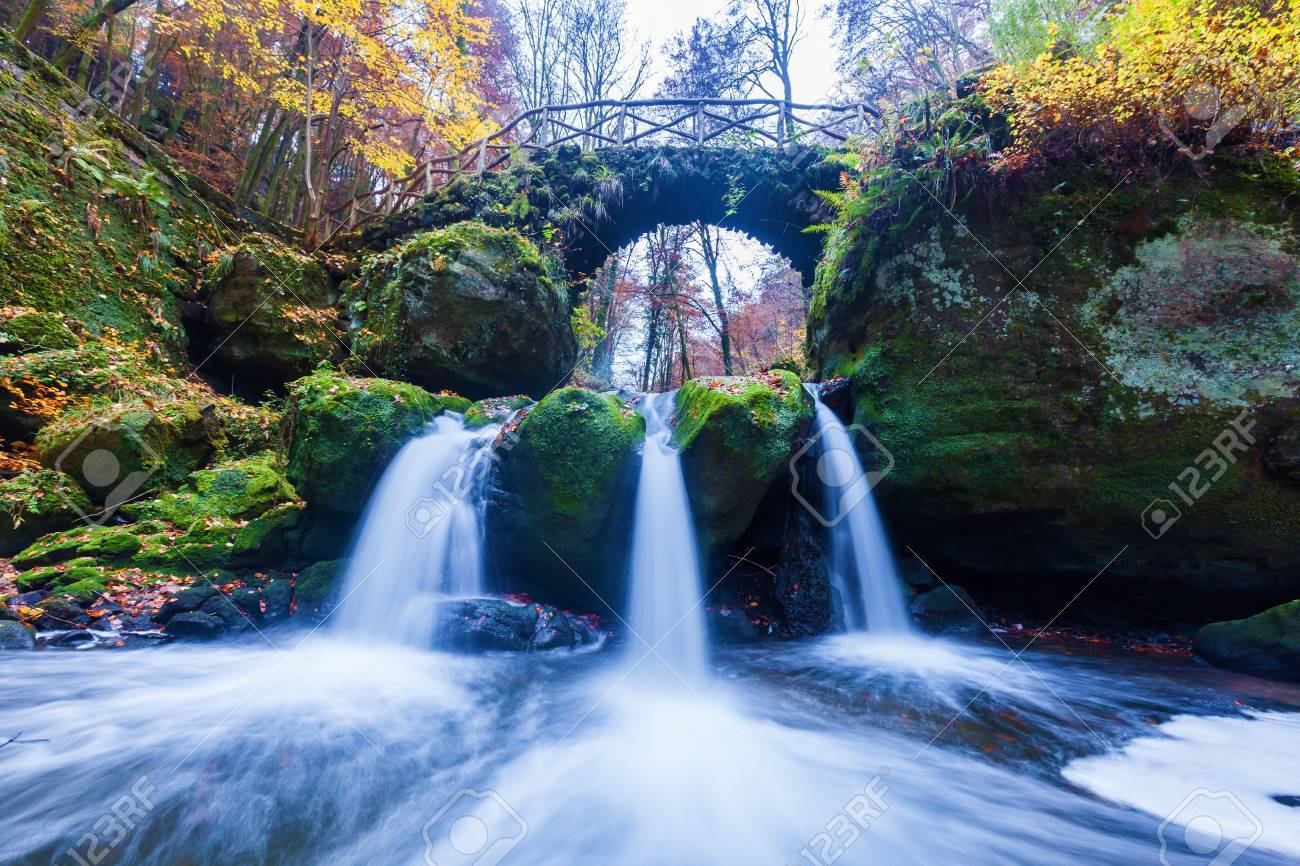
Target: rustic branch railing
pixel 610 124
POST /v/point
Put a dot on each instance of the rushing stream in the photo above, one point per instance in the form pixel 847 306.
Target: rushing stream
pixel 343 745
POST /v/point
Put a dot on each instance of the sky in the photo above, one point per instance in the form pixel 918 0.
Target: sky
pixel 812 65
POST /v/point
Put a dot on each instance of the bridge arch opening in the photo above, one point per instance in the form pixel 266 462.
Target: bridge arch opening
pixel 686 300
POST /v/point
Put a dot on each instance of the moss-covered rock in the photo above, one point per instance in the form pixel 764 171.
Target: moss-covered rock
pixel 118 452
pixel 26 330
pixel 469 307
pixel 1266 644
pixel 95 224
pixel 269 310
pixel 36 502
pixel 494 410
pixel 736 435
pixel 239 489
pixel 1148 364
pixel 344 430
pixel 315 589
pixel 564 495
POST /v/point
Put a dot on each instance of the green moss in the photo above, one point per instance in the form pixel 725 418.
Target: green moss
pixel 577 440
pixel 69 244
pixel 313 586
pixel 237 489
pixel 736 435
pixel 754 416
pixel 37 502
pixel 151 445
pixel 494 410
pixel 343 431
pixel 29 330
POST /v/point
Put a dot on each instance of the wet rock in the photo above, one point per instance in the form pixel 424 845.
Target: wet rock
pixel 487 624
pixel 563 494
pixel 736 435
pixel 479 624
pixel 195 624
pixel 71 639
pixel 277 595
pixel 552 630
pixel 728 623
pixel 189 599
pixel 60 612
pixel 316 589
pixel 1266 644
pixel 346 429
pixel 802 586
pixel 948 609
pixel 16 636
pixel 29 599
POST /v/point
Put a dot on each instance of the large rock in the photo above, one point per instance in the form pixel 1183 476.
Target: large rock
pixel 16 636
pixel 736 435
pixel 471 308
pixel 563 498
pixel 239 489
pixel 344 430
pixel 1147 369
pixel 35 502
pixel 479 624
pixel 120 452
pixel 267 316
pixel 1266 644
pixel 801 584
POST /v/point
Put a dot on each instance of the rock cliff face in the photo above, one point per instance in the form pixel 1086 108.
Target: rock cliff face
pixel 1137 393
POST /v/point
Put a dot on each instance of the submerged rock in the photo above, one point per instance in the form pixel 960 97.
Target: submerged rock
pixel 480 624
pixel 948 609
pixel 344 430
pixel 16 636
pixel 1266 644
pixel 563 497
pixel 736 435
pixel 470 307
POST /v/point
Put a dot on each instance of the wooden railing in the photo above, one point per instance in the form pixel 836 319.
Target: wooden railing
pixel 615 124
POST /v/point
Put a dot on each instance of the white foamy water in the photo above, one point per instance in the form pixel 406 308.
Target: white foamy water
pixel 1214 778
pixel 421 537
pixel 861 563
pixel 666 592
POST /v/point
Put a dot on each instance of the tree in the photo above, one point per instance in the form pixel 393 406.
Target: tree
pixel 710 61
pixel 770 29
pixel 708 241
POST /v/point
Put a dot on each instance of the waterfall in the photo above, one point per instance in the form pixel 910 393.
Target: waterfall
pixel 421 536
pixel 861 564
pixel 666 590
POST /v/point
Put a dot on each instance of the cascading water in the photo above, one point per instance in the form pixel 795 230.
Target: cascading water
pixel 861 564
pixel 421 537
pixel 664 571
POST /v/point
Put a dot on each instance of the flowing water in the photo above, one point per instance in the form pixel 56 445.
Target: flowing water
pixel 861 562
pixel 333 748
pixel 421 536
pixel 669 638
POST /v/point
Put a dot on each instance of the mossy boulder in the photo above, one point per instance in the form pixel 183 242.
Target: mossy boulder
pixel 563 497
pixel 344 430
pixel 316 588
pixel 35 502
pixel 239 489
pixel 118 452
pixel 1149 364
pixel 736 435
pixel 1266 644
pixel 471 308
pixel 268 315
pixel 26 330
pixel 494 410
